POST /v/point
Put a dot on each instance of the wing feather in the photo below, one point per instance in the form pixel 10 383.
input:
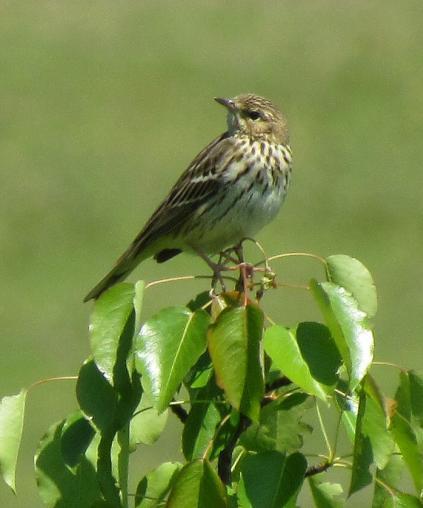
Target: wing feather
pixel 199 181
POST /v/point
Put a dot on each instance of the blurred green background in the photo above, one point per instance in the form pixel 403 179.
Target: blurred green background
pixel 103 104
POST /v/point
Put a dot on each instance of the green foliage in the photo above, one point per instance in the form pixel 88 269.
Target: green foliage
pixel 324 493
pixel 234 347
pixel 168 345
pixel 284 348
pixel 271 479
pixel 11 423
pixel 245 394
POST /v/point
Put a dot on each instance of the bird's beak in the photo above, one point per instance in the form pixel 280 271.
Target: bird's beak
pixel 228 103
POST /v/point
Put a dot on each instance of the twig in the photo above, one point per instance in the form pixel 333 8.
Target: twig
pixel 292 286
pixel 225 456
pixel 278 383
pixel 389 364
pixel 180 412
pixel 317 468
pixel 325 436
pixel 298 254
pixel 47 380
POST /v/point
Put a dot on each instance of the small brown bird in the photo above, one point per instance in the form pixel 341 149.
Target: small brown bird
pixel 232 188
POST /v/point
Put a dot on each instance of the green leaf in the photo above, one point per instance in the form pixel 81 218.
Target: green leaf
pixel 168 345
pixel 349 328
pixel 199 301
pixel 77 435
pixel 234 347
pixel 388 481
pixel 282 346
pixel 138 303
pixel 404 434
pixel 200 427
pixel 197 485
pixel 271 480
pixel 352 275
pixel 402 500
pixel 320 353
pixel 416 395
pixel 281 427
pixel 375 428
pixel 11 424
pixel 349 420
pixel 147 424
pixel 324 493
pixel 109 318
pixel 57 484
pixel 155 486
pixel 348 405
pixel 374 391
pixel 362 458
pixel 373 443
pixel 96 397
pixel 93 452
pixel 200 373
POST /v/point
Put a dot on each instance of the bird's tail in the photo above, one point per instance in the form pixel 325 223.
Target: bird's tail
pixel 124 266
pixel 113 277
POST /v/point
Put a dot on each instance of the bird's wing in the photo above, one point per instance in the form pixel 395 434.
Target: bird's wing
pixel 196 185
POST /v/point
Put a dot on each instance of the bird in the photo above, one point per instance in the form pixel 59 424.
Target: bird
pixel 230 191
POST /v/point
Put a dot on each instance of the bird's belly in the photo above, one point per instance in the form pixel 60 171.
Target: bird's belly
pixel 237 217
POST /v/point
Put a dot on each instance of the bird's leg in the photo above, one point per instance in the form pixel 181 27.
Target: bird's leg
pixel 240 285
pixel 227 256
pixel 239 251
pixel 216 267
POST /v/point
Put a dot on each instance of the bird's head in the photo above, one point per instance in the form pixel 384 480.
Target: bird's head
pixel 256 117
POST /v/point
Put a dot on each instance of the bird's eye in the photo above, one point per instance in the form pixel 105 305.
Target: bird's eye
pixel 254 115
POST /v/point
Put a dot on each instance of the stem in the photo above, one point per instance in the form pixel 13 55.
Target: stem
pixel 296 254
pixel 318 468
pixel 325 436
pixel 196 401
pixel 123 463
pixel 388 489
pixel 389 364
pixel 47 380
pixel 292 286
pixel 270 320
pixel 181 278
pixel 346 456
pixel 335 444
pixel 342 463
pixel 169 279
pixel 211 442
pixel 238 458
pixel 260 248
pixel 324 466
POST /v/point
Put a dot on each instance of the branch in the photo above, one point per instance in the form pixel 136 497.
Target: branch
pixel 270 387
pixel 225 456
pixel 179 412
pixel 278 383
pixel 317 468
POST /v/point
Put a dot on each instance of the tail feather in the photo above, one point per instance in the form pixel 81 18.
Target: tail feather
pixel 113 277
pixel 123 267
